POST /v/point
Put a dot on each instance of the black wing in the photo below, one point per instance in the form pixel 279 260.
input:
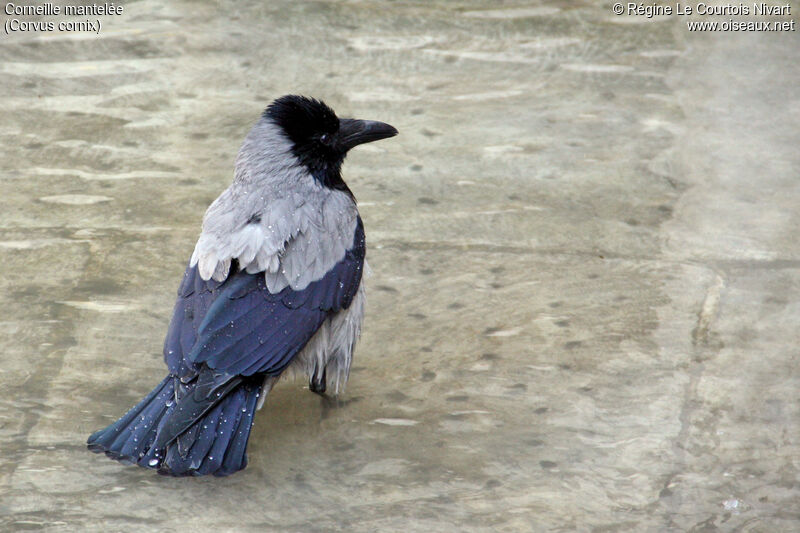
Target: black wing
pixel 238 327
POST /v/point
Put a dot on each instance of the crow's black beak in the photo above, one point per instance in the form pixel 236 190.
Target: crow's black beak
pixel 353 132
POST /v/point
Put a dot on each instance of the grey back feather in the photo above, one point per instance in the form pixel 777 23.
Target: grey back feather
pixel 275 218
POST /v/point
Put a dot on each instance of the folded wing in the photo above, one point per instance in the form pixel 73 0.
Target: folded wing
pixel 238 327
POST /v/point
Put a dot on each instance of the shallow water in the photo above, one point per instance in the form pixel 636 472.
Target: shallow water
pixel 583 309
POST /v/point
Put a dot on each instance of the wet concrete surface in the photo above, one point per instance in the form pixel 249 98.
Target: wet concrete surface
pixel 583 310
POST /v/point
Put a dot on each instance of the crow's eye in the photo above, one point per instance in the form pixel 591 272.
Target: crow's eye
pixel 324 138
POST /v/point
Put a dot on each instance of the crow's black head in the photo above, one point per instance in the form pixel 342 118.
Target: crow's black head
pixel 320 140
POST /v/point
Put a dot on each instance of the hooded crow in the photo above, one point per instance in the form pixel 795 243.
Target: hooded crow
pixel 274 283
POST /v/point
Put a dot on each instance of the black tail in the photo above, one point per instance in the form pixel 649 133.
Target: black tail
pixel 214 444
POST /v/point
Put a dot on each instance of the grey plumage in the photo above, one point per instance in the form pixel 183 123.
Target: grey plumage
pixel 303 229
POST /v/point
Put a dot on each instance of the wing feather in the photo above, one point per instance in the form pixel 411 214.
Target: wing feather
pixel 239 327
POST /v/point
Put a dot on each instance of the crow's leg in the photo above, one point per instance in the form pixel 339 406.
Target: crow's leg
pixel 319 385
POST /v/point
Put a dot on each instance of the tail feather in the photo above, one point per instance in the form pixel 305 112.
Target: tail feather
pixel 208 390
pixel 236 458
pixel 124 440
pixel 144 431
pixel 215 444
pixel 221 440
